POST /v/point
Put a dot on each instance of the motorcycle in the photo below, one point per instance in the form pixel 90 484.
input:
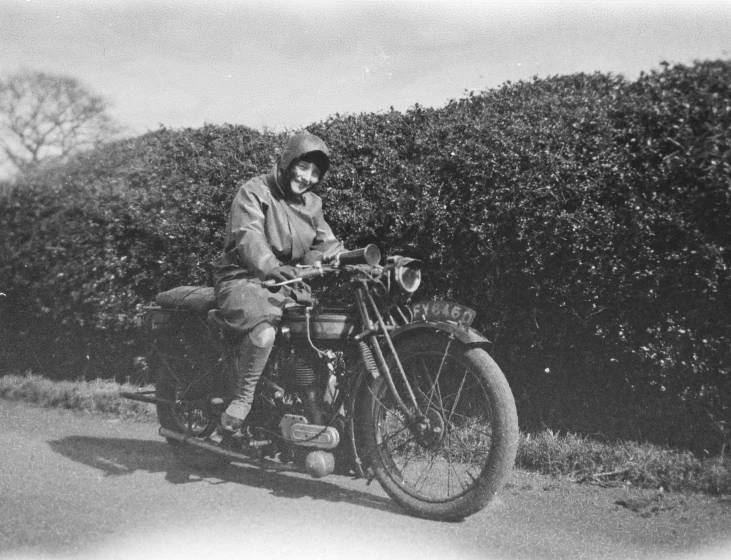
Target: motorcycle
pixel 381 388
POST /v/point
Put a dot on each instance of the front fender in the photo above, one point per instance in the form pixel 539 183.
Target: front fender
pixel 466 335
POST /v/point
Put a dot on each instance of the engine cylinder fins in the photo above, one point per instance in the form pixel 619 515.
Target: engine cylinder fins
pixel 299 372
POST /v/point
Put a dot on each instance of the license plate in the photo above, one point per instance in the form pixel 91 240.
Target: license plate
pixel 443 311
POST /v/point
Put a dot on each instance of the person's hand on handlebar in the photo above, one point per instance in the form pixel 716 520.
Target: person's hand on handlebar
pixel 313 257
pixel 282 273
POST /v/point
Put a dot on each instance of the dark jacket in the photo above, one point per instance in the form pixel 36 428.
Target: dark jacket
pixel 265 230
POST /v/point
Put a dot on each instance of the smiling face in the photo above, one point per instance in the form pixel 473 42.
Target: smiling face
pixel 303 176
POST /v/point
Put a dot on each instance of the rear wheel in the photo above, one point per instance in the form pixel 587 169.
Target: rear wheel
pixel 452 463
pixel 186 407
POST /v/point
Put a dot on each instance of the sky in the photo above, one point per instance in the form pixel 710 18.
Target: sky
pixel 284 64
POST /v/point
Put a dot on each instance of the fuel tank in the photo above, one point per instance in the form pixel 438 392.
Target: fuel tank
pixel 325 325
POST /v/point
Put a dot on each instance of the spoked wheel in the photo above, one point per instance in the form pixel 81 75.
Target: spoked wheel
pixel 187 410
pixel 452 462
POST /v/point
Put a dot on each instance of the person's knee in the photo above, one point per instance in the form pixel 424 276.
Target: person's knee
pixel 263 335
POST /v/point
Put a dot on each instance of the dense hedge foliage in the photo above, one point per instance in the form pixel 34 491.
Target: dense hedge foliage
pixel 86 244
pixel 585 217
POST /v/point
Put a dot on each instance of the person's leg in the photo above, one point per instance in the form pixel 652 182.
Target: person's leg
pixel 250 361
pixel 255 312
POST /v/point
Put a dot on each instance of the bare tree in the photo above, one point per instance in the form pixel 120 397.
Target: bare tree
pixel 45 115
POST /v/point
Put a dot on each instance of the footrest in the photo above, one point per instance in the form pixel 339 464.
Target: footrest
pixel 144 396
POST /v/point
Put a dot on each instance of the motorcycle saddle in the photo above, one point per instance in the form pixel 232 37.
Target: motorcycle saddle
pixel 200 299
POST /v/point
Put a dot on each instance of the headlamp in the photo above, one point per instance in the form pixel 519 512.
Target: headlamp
pixel 406 272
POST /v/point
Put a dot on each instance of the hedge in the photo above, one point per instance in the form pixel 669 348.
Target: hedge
pixel 584 217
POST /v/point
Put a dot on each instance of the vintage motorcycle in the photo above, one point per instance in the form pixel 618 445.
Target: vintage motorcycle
pixel 403 392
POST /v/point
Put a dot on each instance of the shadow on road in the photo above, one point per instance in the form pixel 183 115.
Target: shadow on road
pixel 119 456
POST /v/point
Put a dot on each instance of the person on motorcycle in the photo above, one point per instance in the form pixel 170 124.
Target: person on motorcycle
pixel 275 223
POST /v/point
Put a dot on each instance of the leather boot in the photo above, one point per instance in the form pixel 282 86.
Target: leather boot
pixel 250 362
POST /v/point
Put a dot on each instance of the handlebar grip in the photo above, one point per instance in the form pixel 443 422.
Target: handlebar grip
pixel 307 273
pixel 370 254
pixel 302 274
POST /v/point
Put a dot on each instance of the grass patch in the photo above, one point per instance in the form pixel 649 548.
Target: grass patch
pixel 580 458
pixel 98 396
pixel 640 464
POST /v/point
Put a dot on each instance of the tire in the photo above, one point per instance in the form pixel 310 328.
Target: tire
pixel 456 469
pixel 191 414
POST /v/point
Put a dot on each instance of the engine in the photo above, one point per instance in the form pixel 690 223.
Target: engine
pixel 305 376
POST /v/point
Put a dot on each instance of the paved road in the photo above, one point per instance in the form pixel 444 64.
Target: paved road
pixel 84 486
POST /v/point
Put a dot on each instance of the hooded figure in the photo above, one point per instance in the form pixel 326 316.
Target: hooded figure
pixel 275 222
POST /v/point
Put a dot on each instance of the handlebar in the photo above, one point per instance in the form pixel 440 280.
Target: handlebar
pixel 368 255
pixel 303 274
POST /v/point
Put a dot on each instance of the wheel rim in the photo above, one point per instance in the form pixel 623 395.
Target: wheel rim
pixel 446 460
pixel 194 417
pixel 191 413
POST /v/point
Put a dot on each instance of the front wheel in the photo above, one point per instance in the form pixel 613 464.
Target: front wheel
pixel 452 463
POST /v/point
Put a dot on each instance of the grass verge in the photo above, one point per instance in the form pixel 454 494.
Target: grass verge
pixel 98 396
pixel 626 462
pixel 579 458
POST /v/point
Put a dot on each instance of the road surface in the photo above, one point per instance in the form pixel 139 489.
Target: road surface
pixel 89 486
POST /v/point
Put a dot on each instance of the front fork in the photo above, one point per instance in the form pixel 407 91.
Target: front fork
pixel 372 354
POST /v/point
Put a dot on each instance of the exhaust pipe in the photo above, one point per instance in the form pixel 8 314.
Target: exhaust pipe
pixel 317 463
pixel 266 464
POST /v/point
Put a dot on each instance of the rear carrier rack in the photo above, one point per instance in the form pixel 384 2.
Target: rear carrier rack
pixel 155 317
